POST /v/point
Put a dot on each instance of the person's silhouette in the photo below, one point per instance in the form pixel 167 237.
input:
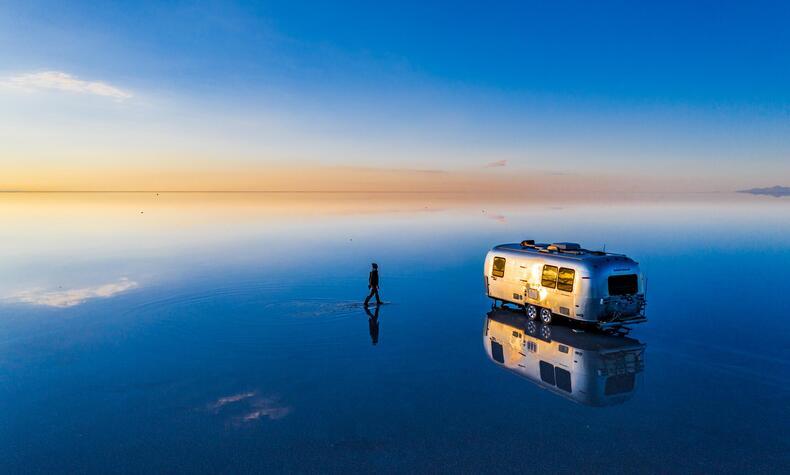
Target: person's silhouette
pixel 373 284
pixel 373 324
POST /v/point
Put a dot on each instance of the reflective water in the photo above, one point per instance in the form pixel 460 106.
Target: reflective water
pixel 212 332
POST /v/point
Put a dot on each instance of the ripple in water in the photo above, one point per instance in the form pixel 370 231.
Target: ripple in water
pixel 248 317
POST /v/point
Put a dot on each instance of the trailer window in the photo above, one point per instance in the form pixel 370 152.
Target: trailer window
pixel 497 352
pixel 532 347
pixel 565 279
pixel 547 372
pixel 563 378
pixel 623 284
pixel 549 278
pixel 499 267
pixel 619 384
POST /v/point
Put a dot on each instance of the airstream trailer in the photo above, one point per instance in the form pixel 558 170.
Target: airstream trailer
pixel 589 368
pixel 564 279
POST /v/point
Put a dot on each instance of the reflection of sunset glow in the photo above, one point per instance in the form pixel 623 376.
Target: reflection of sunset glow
pixel 94 238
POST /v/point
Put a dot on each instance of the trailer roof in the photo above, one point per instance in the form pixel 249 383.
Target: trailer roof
pixel 550 250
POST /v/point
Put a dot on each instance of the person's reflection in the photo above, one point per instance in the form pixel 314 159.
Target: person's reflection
pixel 373 324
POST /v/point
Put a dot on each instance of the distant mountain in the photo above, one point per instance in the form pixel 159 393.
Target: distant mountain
pixel 771 191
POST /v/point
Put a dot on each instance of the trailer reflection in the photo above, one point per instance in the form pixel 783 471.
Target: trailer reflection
pixel 587 367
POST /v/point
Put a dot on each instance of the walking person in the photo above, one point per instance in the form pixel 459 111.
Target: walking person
pixel 373 284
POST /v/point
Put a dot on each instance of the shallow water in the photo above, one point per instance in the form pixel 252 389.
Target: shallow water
pixel 224 332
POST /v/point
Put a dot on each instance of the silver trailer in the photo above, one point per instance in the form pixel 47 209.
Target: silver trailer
pixel 596 287
pixel 589 368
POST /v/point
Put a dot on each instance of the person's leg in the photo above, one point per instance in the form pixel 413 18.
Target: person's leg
pixel 367 300
pixel 378 300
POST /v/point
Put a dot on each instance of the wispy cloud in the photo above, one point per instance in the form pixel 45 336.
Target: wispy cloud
pixel 60 81
pixel 557 173
pixel 496 164
pixel 71 297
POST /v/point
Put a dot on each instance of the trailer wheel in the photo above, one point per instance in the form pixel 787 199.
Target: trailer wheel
pixel 531 311
pixel 545 315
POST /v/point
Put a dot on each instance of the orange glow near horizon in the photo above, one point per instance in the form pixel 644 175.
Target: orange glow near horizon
pixel 317 179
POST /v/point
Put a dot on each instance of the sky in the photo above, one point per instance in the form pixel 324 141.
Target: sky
pixel 291 95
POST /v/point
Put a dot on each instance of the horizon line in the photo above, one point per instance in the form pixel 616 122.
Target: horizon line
pixel 368 191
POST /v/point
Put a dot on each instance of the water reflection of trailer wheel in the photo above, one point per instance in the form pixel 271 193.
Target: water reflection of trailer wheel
pixel 532 327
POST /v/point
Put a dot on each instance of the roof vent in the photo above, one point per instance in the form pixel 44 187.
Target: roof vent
pixel 566 246
pixel 528 243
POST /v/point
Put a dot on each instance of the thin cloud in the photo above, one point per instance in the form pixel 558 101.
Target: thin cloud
pixel 426 171
pixel 496 164
pixel 560 173
pixel 71 297
pixel 60 81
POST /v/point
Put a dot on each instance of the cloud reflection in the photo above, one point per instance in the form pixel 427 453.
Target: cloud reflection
pixel 71 297
pixel 230 400
pixel 250 407
pixel 268 408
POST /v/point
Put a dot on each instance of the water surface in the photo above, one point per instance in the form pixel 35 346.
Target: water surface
pixel 224 332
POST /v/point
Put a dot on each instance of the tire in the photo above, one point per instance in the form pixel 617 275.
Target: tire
pixel 545 316
pixel 531 311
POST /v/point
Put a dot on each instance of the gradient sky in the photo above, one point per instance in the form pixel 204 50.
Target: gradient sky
pixel 360 95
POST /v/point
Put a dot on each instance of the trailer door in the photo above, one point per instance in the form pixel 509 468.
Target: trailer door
pixel 497 279
pixel 566 301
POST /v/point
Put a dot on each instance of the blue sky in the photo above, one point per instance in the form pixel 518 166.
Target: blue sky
pixel 564 87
